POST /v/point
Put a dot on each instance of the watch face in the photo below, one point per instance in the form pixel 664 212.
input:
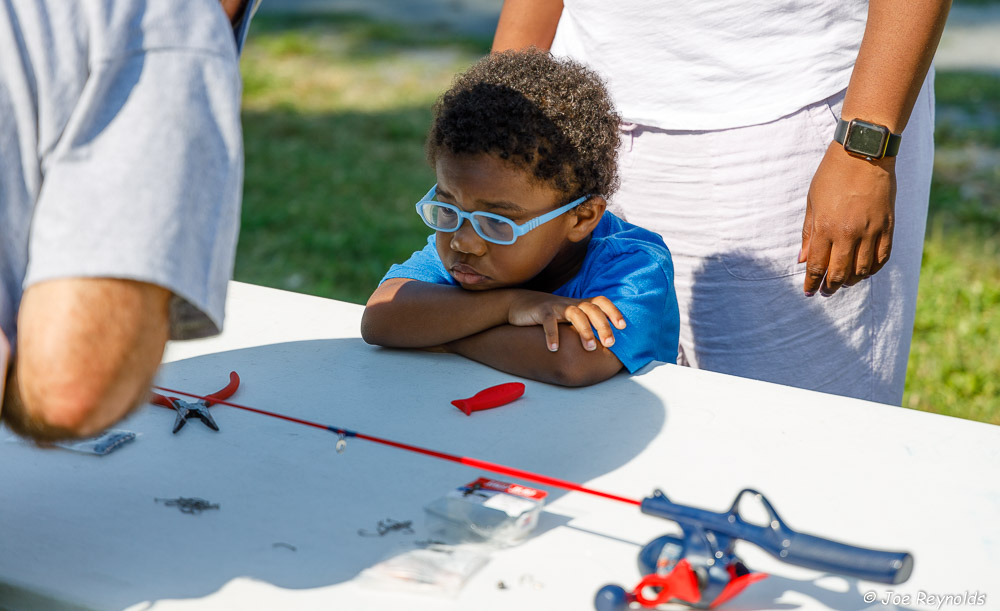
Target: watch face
pixel 866 139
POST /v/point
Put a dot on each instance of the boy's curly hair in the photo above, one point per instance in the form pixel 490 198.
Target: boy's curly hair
pixel 553 117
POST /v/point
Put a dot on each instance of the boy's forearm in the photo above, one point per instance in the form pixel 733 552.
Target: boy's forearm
pixel 404 313
pixel 521 351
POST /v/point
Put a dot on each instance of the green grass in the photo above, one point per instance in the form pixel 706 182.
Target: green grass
pixel 954 363
pixel 335 113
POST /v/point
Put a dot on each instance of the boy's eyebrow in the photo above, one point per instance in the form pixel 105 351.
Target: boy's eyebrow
pixel 500 204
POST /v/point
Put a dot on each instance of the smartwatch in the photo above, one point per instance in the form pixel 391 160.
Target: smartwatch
pixel 868 140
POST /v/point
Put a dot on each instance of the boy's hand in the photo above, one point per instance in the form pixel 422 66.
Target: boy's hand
pixel 547 310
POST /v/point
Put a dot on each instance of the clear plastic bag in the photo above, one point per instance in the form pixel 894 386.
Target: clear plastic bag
pixel 427 567
pixel 485 511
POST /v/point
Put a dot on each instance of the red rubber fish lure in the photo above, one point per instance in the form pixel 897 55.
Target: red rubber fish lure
pixel 494 396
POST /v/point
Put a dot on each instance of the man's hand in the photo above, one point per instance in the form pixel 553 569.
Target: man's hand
pixel 847 233
pixel 532 308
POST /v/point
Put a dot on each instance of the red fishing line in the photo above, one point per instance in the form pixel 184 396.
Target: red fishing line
pixel 463 460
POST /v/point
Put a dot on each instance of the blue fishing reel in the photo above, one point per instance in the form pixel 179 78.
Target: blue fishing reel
pixel 700 570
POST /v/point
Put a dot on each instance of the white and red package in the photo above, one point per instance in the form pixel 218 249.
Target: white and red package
pixel 486 510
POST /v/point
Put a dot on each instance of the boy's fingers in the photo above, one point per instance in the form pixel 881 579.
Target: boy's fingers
pixel 581 322
pixel 599 321
pixel 610 310
pixel 551 328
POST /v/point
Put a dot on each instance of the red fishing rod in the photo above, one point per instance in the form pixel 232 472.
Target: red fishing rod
pixel 462 460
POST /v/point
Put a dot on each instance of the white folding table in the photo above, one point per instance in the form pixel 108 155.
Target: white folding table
pixel 86 532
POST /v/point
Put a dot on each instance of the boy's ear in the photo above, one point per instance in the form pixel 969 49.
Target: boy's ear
pixel 585 217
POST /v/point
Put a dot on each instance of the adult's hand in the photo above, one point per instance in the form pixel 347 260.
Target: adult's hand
pixel 87 349
pixel 4 360
pixel 847 233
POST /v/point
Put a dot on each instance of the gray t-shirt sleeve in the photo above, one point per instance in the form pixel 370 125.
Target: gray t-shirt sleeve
pixel 145 182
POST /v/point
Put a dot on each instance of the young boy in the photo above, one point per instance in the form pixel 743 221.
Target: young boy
pixel 524 147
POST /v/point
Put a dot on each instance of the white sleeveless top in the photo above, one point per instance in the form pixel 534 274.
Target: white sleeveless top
pixel 714 64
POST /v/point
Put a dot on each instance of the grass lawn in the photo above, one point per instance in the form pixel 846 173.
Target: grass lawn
pixel 955 359
pixel 335 113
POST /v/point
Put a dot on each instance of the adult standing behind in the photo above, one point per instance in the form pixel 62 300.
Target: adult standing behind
pixel 735 154
pixel 121 171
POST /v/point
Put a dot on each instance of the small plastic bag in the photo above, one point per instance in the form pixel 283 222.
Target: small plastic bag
pixel 485 511
pixel 427 567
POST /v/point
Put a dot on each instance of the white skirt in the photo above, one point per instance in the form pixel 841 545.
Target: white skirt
pixel 730 206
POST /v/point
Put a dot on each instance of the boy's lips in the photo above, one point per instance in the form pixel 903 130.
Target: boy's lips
pixel 466 274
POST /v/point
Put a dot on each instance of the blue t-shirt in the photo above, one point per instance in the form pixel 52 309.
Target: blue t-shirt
pixel 629 265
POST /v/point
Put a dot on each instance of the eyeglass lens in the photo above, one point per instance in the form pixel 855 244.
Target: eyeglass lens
pixel 445 218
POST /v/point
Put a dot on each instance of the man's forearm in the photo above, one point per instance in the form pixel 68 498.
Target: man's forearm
pixel 87 351
pixel 896 52
pixel 521 351
pixel 526 23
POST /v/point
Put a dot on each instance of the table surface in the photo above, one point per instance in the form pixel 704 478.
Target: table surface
pixel 82 531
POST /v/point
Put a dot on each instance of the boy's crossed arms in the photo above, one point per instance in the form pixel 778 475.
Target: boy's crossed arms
pixel 499 328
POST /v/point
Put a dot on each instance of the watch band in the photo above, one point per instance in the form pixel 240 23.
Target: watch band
pixel 891 147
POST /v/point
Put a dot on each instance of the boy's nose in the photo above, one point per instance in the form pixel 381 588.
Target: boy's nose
pixel 466 240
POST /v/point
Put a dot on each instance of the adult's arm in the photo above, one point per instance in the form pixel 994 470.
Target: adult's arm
pixel 4 363
pixel 87 350
pixel 526 23
pixel 850 208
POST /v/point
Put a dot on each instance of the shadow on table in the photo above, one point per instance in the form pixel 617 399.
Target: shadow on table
pixel 291 507
pixel 833 591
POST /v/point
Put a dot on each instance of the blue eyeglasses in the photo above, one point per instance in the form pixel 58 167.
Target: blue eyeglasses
pixel 490 227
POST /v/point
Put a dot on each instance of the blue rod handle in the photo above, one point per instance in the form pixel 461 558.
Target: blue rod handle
pixel 825 555
pixel 786 544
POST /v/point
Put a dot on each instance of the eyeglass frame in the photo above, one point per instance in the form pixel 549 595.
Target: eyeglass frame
pixel 519 230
